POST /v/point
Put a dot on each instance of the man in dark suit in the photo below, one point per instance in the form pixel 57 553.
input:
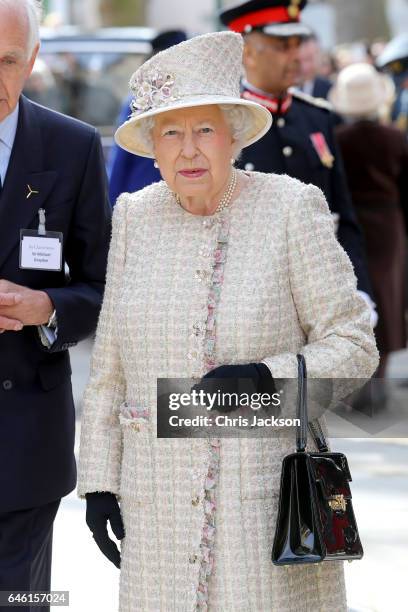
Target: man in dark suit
pixel 310 82
pixel 301 141
pixel 54 235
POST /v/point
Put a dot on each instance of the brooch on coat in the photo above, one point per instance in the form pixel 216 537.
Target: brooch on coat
pixel 322 149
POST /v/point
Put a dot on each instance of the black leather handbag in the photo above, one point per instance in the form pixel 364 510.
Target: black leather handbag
pixel 315 520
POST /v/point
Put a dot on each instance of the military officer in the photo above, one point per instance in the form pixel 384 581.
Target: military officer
pixel 301 140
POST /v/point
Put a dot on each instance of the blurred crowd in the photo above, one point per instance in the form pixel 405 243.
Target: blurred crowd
pixel 91 86
pixel 367 85
pixel 319 69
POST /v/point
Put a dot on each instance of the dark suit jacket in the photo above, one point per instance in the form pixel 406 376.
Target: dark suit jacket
pixel 128 172
pixel 321 87
pixel 61 158
pixel 290 134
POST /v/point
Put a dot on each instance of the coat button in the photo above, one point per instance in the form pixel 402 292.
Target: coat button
pixel 281 122
pixel 197 329
pixel 249 166
pixel 192 558
pixel 195 501
pixel 202 275
pixel 7 385
pixel 287 151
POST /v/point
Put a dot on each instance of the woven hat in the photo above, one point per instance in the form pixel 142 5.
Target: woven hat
pixel 361 91
pixel 201 71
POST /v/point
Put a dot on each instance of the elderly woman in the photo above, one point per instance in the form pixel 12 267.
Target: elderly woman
pixel 210 268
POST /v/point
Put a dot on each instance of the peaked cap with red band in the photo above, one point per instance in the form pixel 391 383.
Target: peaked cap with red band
pixel 273 17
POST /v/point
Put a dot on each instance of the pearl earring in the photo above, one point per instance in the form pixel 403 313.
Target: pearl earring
pixel 232 161
pixel 155 164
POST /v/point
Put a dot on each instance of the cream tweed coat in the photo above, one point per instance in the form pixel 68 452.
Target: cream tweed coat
pixel 288 286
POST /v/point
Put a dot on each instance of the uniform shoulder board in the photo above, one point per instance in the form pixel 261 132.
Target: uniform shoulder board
pixel 320 102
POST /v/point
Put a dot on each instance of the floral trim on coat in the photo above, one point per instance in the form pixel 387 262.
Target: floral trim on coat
pixel 208 533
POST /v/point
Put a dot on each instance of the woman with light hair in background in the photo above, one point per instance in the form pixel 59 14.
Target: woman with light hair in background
pixel 376 163
pixel 217 273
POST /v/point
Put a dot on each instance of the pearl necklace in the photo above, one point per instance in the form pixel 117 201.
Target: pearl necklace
pixel 226 198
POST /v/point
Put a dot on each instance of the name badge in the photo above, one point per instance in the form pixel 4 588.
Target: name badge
pixel 39 249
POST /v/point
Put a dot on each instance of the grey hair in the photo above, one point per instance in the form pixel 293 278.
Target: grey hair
pixel 236 116
pixel 33 10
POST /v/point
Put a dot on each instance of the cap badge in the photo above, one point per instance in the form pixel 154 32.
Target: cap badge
pixel 293 9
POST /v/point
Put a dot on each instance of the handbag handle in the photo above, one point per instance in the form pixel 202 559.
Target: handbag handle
pixel 314 426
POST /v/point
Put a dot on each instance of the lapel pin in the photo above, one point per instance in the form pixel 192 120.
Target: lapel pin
pixel 31 192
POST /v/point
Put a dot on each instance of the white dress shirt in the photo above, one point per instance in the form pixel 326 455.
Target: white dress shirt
pixel 308 87
pixel 8 129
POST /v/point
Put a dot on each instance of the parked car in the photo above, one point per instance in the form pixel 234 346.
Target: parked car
pixel 86 74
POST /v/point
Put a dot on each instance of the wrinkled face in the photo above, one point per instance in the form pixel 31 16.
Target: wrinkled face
pixel 309 57
pixel 15 63
pixel 193 147
pixel 271 62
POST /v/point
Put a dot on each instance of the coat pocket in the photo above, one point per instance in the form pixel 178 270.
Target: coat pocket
pixel 137 458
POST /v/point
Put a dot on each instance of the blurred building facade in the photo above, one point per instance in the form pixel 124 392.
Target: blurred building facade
pixel 93 14
pixel 195 17
pixel 357 19
pixel 335 21
pixel 72 12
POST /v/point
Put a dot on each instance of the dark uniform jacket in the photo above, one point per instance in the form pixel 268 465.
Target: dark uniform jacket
pixel 287 148
pixel 60 158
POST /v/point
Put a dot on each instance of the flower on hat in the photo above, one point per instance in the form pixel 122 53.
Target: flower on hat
pixel 151 90
pixel 204 70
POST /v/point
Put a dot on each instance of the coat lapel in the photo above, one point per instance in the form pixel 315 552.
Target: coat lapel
pixel 25 173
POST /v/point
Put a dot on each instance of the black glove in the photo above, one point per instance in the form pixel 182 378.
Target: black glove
pixel 101 508
pixel 247 378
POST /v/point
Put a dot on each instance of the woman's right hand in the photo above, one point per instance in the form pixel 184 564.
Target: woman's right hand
pixel 101 508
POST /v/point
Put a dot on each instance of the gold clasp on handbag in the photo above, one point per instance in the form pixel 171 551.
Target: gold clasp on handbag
pixel 337 502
